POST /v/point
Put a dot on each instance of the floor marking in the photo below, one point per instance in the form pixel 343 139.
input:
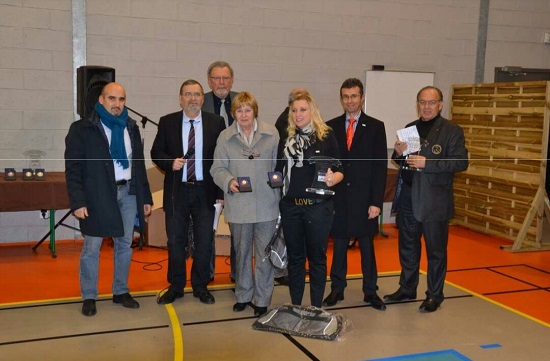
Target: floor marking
pixel 176 331
pixel 443 355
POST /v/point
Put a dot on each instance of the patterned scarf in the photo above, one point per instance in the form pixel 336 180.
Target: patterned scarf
pixel 295 146
pixel 294 150
pixel 117 125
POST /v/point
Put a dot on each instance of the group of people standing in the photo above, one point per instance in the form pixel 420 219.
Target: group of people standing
pixel 223 154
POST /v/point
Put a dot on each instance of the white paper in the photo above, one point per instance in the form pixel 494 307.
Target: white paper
pixel 410 136
pixel 218 207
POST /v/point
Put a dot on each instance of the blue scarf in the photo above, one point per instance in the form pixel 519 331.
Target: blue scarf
pixel 117 125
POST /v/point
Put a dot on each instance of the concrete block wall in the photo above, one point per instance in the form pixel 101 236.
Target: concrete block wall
pixel 273 45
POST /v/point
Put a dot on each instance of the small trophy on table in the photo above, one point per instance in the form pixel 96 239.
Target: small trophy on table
pixel 322 163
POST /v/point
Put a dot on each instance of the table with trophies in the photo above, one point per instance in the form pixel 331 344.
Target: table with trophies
pixel 46 194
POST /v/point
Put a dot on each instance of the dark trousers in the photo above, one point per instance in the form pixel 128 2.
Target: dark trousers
pixel 306 229
pixel 436 236
pixel 189 201
pixel 339 267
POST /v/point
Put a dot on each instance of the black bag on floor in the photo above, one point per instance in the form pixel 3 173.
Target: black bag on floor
pixel 311 322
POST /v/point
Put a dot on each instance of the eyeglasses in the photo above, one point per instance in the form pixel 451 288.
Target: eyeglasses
pixel 352 97
pixel 189 95
pixel 218 78
pixel 431 103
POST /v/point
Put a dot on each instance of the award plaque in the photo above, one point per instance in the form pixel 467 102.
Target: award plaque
pixel 322 163
pixel 39 174
pixel 10 174
pixel 28 174
pixel 275 179
pixel 244 184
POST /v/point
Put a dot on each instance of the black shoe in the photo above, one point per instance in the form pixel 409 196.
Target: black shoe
pixel 375 302
pixel 238 307
pixel 429 305
pixel 258 311
pixel 282 280
pixel 88 307
pixel 126 300
pixel 333 298
pixel 399 295
pixel 169 297
pixel 204 296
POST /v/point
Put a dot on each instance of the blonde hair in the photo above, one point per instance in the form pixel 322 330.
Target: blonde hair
pixel 241 99
pixel 317 122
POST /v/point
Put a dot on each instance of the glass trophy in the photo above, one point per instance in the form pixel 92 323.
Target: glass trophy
pixel 414 145
pixel 35 167
pixel 322 163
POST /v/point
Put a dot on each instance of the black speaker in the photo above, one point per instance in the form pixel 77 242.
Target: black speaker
pixel 90 80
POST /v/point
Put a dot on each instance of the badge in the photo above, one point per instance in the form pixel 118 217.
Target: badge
pixel 436 149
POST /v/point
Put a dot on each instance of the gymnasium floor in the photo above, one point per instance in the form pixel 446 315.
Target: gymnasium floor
pixel 496 308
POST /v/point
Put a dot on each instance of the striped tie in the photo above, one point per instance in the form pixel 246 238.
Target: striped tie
pixel 191 160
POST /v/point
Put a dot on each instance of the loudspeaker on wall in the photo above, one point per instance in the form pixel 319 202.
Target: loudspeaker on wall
pixel 90 81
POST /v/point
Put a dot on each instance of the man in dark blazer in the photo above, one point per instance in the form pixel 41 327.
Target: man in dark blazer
pixel 424 198
pixel 220 80
pixel 184 150
pixel 358 199
pixel 107 186
pixel 218 101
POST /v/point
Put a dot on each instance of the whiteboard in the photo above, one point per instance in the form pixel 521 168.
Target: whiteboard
pixel 390 96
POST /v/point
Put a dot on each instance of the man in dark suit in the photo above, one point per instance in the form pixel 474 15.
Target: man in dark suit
pixel 218 101
pixel 107 186
pixel 358 199
pixel 425 198
pixel 184 150
pixel 220 81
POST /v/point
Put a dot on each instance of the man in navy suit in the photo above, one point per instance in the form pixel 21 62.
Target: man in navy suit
pixel 425 198
pixel 358 199
pixel 184 150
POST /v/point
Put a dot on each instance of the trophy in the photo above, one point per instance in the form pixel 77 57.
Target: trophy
pixel 322 163
pixel 10 174
pixel 414 145
pixel 275 179
pixel 35 168
pixel 244 184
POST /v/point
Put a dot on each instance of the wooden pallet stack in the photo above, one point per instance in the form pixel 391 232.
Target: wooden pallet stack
pixel 506 129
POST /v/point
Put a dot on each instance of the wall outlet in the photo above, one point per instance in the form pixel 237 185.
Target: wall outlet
pixel 546 38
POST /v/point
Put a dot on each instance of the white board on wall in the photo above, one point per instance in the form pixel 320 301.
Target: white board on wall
pixel 390 96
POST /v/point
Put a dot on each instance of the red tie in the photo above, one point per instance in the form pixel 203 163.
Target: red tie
pixel 349 132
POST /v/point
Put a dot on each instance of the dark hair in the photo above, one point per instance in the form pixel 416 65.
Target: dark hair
pixel 430 87
pixel 352 83
pixel 190 82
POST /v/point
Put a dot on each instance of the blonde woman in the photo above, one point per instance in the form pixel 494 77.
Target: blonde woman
pixel 307 217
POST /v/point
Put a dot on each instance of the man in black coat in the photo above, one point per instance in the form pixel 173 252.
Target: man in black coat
pixel 108 187
pixel 425 198
pixel 184 150
pixel 359 198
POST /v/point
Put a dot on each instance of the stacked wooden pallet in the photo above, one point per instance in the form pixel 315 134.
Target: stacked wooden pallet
pixel 506 130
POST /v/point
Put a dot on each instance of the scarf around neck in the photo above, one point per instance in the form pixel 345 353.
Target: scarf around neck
pixel 116 125
pixel 295 145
